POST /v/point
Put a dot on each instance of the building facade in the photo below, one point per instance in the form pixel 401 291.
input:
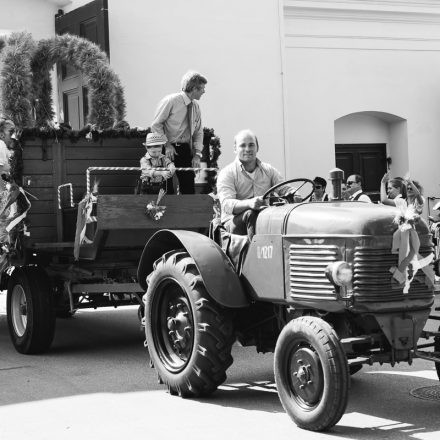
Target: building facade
pixel 321 82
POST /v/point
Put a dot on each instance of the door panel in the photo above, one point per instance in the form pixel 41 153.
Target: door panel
pixel 345 162
pixel 71 107
pixel 368 160
pixel 89 21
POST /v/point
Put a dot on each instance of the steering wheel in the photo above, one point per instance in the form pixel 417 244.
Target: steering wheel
pixel 290 197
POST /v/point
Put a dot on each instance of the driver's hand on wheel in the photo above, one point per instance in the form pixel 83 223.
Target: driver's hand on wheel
pixel 257 203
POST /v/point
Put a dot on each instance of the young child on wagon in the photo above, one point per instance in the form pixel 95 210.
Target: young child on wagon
pixel 152 180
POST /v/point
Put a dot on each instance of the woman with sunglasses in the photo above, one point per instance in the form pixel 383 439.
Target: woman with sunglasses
pixel 319 194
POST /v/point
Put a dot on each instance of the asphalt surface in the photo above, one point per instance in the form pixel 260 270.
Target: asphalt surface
pixel 95 383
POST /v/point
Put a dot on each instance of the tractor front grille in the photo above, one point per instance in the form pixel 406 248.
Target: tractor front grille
pixel 372 279
pixel 307 264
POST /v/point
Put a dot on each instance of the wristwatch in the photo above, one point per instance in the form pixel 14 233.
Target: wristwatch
pixel 199 154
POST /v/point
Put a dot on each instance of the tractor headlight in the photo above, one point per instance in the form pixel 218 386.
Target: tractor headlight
pixel 339 273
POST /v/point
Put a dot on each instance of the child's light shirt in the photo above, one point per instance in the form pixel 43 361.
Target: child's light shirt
pixel 148 164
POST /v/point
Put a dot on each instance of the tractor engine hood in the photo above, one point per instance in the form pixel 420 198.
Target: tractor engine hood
pixel 334 218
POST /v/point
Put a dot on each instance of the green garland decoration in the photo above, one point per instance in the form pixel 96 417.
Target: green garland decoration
pixel 119 101
pixel 212 151
pixel 210 140
pixel 42 84
pixel 107 104
pixel 16 79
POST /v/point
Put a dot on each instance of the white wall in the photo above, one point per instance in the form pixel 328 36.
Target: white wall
pixel 397 149
pixel 344 61
pixel 35 16
pixel 234 43
pixel 338 58
pixel 361 129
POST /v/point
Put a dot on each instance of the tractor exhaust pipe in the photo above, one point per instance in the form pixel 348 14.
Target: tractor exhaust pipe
pixel 336 176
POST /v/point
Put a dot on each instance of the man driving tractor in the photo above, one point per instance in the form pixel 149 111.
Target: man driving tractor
pixel 242 183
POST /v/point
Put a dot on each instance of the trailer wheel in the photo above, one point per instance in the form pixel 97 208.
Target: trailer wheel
pixel 189 337
pixel 311 373
pixel 30 310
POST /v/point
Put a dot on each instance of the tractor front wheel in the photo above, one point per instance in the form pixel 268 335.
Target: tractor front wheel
pixel 311 373
pixel 189 336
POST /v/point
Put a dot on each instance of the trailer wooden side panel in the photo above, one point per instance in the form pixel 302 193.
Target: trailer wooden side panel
pixel 48 163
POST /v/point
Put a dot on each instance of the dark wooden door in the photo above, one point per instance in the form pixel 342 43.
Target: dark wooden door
pixel 89 21
pixel 368 160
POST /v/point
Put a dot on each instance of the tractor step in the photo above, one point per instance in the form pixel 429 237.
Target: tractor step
pixel 361 360
pixel 357 340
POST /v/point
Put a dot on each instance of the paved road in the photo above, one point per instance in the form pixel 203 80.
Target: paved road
pixel 95 383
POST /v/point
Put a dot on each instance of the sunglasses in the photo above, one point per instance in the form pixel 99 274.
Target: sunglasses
pixel 318 186
pixel 350 183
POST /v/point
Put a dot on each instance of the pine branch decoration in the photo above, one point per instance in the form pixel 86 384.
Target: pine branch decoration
pixel 41 65
pixel 16 79
pixel 107 103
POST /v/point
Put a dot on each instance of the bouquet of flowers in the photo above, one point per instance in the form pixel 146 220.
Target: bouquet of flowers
pixel 406 218
pixel 153 209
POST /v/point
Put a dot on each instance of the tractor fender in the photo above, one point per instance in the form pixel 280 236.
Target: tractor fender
pixel 218 274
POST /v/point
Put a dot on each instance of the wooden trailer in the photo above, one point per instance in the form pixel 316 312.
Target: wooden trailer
pixel 56 270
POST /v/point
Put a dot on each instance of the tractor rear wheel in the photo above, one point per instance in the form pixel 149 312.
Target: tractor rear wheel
pixel 311 373
pixel 437 349
pixel 30 310
pixel 189 337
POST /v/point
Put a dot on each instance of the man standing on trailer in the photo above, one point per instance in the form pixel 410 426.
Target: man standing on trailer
pixel 178 117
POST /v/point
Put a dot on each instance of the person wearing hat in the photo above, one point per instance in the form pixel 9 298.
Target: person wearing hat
pixel 178 117
pixel 319 194
pixel 153 180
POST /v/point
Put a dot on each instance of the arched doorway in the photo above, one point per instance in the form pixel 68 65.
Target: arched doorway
pixel 370 143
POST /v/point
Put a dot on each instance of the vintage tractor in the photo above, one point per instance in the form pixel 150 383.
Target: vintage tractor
pixel 317 285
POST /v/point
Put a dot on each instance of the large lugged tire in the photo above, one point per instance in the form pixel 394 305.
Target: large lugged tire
pixel 30 310
pixel 437 349
pixel 189 337
pixel 311 373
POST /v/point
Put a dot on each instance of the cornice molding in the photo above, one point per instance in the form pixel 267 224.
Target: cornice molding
pixel 401 11
pixel 413 5
pixel 361 42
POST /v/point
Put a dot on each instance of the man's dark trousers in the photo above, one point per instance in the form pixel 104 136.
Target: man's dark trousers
pixel 183 159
